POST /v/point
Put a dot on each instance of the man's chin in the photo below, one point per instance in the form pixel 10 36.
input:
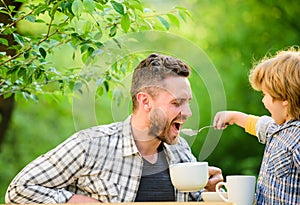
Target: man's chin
pixel 172 141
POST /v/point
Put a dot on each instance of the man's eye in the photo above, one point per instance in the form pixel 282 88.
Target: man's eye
pixel 176 103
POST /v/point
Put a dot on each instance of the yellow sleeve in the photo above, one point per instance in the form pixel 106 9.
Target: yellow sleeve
pixel 251 124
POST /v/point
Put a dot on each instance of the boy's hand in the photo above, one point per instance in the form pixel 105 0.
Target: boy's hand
pixel 224 118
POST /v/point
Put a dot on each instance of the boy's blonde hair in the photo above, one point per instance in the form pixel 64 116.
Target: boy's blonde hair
pixel 280 77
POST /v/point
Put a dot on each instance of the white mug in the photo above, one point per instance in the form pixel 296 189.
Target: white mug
pixel 240 189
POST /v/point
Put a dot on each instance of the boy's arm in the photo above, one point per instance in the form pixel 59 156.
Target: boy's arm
pixel 250 125
pixel 224 118
pixel 253 125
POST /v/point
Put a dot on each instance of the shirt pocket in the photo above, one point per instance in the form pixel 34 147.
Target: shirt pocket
pixel 280 162
pixel 100 188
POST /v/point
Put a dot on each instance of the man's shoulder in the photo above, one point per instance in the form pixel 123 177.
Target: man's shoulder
pixel 107 130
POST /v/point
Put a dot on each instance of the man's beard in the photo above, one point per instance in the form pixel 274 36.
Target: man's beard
pixel 158 124
pixel 160 127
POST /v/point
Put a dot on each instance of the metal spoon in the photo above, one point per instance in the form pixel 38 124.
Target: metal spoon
pixel 191 132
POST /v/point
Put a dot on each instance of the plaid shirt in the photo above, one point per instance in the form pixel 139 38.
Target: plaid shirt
pixel 279 178
pixel 102 162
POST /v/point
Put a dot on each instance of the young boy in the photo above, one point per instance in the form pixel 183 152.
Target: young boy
pixel 279 80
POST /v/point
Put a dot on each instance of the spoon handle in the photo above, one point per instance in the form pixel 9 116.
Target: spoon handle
pixel 208 126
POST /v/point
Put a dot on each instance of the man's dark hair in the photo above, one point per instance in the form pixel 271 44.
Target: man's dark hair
pixel 152 71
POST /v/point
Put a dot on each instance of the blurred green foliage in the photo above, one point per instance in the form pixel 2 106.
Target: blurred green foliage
pixel 233 33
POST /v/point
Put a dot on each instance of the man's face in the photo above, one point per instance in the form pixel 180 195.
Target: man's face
pixel 170 109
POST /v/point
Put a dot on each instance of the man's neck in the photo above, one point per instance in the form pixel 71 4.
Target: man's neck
pixel 148 149
pixel 146 144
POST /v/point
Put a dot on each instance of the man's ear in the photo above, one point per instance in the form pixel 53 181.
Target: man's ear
pixel 144 100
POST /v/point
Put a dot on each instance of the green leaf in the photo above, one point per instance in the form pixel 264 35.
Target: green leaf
pixel 14 75
pixel 118 7
pixel 26 55
pixel 39 21
pixel 7 95
pixel 63 6
pixel 22 72
pixel 117 42
pixel 100 91
pixel 12 70
pixel 43 52
pixel 99 44
pixel 34 98
pixel 71 85
pixel 87 27
pixel 73 55
pixel 53 10
pixel 69 8
pixel 4 12
pixel 87 54
pixel 173 19
pixel 3 41
pixel 117 96
pixel 98 35
pixel 113 31
pixel 40 9
pixel 77 8
pixel 90 50
pixel 30 18
pixel 89 6
pixel 39 74
pixel 106 86
pixel 125 23
pixel 83 48
pixel 26 95
pixel 135 4
pixel 183 13
pixel 19 39
pixel 77 86
pixel 164 22
pixel 11 8
pixel 100 7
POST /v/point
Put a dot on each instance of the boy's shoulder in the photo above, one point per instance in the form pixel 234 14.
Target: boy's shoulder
pixel 294 124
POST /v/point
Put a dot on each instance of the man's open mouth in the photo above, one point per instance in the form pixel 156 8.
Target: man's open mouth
pixel 177 125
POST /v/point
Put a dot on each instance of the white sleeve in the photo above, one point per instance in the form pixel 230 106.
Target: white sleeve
pixel 262 128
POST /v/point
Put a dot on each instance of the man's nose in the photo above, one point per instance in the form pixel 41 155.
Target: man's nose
pixel 186 110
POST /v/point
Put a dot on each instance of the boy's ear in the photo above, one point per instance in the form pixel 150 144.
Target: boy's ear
pixel 285 103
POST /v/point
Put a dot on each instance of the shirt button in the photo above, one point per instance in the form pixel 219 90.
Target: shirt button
pixel 260 178
pixel 267 154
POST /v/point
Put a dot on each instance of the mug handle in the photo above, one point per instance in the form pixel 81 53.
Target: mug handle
pixel 218 186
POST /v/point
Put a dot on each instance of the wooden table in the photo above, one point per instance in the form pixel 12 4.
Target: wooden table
pixel 151 203
pixel 163 203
